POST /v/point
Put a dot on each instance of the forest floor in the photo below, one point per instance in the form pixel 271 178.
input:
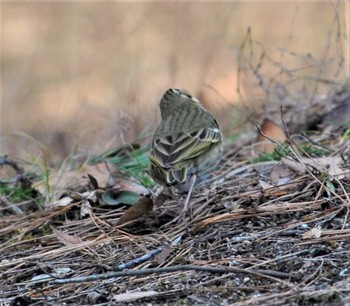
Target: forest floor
pixel 260 232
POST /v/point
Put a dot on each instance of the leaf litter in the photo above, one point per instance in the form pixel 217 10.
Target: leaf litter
pixel 258 232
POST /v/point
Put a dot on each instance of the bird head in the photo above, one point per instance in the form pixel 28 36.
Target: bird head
pixel 175 99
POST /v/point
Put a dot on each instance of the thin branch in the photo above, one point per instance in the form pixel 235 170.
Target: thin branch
pixel 213 269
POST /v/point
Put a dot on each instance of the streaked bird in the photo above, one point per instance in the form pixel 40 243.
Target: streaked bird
pixel 186 144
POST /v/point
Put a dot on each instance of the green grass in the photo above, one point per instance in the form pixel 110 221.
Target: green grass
pixel 346 135
pixel 133 162
pixel 18 194
pixel 305 149
pixel 312 150
pixel 277 154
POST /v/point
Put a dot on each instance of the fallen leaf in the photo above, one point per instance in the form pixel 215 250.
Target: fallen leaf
pixel 330 165
pixel 59 272
pixel 133 186
pixel 141 209
pixel 65 238
pixel 93 181
pixel 59 180
pixel 112 197
pixel 281 175
pixel 100 173
pixel 61 202
pixel 162 256
pixel 294 165
pixel 133 296
pixel 265 185
pixel 85 209
pixel 313 233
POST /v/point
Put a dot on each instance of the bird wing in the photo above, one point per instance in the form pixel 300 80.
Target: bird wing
pixel 170 151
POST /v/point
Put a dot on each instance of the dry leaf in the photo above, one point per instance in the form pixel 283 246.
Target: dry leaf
pixel 162 256
pixel 132 186
pixel 118 197
pixel 273 131
pixel 294 165
pixel 313 233
pixel 61 202
pixel 59 180
pixel 100 173
pixel 330 165
pixel 133 296
pixel 141 209
pixel 65 238
pixel 93 181
pixel 265 185
pixel 281 175
pixel 59 272
pixel 85 209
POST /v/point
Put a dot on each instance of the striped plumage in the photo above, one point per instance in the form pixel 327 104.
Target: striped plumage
pixel 187 141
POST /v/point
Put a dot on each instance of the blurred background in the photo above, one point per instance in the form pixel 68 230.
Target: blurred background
pixel 87 76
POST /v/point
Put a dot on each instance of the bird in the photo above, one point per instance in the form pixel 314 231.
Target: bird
pixel 186 145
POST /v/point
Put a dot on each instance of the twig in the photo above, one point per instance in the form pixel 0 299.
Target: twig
pixel 10 206
pixel 213 269
pixel 147 256
pixel 140 259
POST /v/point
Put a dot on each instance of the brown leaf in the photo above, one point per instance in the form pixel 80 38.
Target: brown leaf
pixel 141 209
pixel 162 256
pixel 65 238
pixel 59 180
pixel 273 131
pixel 93 181
pixel 314 233
pixel 99 172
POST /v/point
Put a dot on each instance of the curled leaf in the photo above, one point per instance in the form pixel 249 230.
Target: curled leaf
pixel 127 197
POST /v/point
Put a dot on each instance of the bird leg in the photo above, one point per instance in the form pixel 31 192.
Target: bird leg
pixel 189 193
pixel 189 185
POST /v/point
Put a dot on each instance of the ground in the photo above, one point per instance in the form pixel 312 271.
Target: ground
pixel 258 233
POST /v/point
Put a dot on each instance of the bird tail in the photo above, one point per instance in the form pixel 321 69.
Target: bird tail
pixel 169 176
